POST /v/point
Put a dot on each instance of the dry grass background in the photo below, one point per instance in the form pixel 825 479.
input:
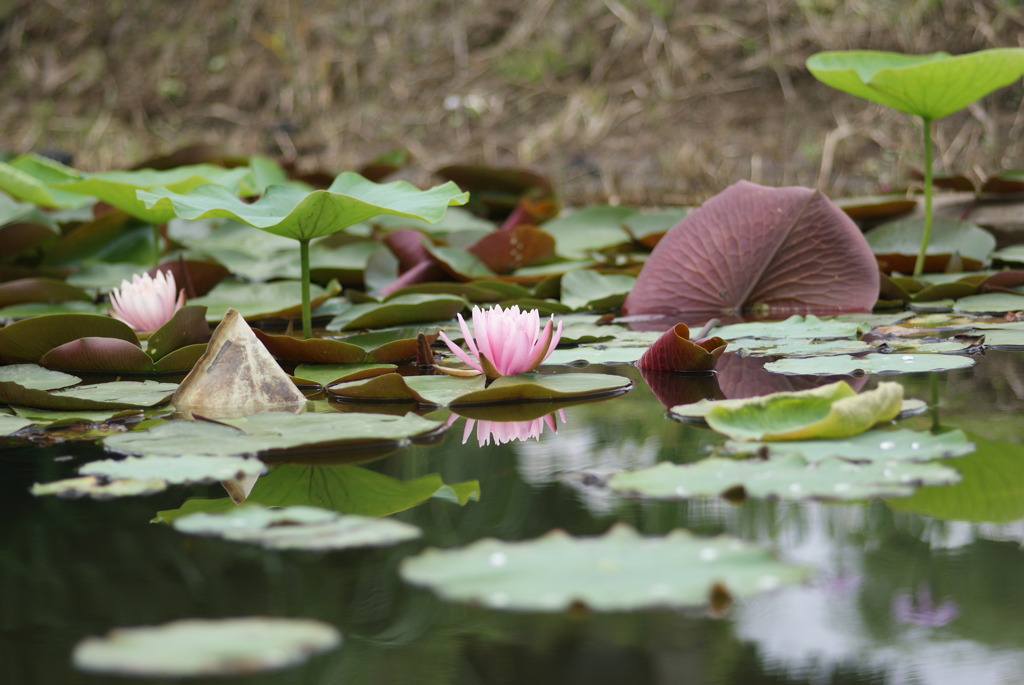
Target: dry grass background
pixel 639 101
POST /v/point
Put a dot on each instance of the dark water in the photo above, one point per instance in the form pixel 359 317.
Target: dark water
pixel 921 590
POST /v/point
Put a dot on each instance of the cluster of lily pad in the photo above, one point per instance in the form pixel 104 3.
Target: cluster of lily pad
pixel 384 268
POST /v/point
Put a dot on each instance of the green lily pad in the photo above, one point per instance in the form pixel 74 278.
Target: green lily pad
pixel 597 354
pixel 990 303
pixel 271 433
pixel 618 571
pixel 50 418
pixel 113 395
pixel 298 527
pixel 329 373
pixel 886 445
pixel 176 470
pixel 188 326
pixel 1004 338
pixel 206 647
pixel 897 244
pixel 35 377
pixel 929 86
pixel 845 365
pixel 589 290
pixel 277 300
pixel 830 411
pixel 450 391
pixel 9 425
pixel 797 326
pixel 398 311
pixel 800 347
pixel 294 212
pixel 787 477
pixel 589 230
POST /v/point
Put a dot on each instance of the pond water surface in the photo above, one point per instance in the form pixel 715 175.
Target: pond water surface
pixel 923 589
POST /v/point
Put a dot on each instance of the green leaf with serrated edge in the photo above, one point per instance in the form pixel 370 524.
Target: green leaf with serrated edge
pixel 618 571
pixel 830 411
pixel 787 477
pixel 874 445
pixel 844 365
pixel 302 215
pixel 297 527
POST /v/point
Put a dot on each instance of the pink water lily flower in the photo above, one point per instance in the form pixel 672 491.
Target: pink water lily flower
pixel 147 303
pixel 505 342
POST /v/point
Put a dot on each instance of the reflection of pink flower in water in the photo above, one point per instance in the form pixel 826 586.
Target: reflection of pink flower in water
pixel 922 610
pixel 507 431
pixel 505 342
pixel 147 303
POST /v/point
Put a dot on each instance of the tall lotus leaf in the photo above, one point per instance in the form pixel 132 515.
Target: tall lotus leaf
pixel 29 178
pixel 751 246
pixel 294 212
pixel 930 86
pixel 119 188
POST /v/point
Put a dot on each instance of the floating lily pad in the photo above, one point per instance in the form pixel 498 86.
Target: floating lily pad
pixel 831 411
pixel 618 571
pixel 113 395
pixel 786 477
pixel 800 347
pixel 1003 338
pixel 589 290
pixel 206 647
pixel 795 327
pixel 28 340
pixel 298 527
pixel 589 230
pixel 844 365
pixel 10 425
pixel 35 377
pixel 896 244
pixel 885 445
pixel 271 433
pixel 176 470
pixel 52 418
pixel 329 373
pixel 277 300
pixel 104 355
pixel 990 303
pixel 450 391
pixel 398 311
pixel 597 354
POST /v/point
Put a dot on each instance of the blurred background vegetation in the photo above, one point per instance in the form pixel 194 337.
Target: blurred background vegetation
pixel 638 101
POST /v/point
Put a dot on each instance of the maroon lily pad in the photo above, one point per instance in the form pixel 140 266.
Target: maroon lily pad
pixel 40 290
pixel 24 235
pixel 195 277
pixel 674 351
pixel 311 351
pixel 1002 282
pixel 512 248
pixel 752 247
pixel 29 339
pixel 106 355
